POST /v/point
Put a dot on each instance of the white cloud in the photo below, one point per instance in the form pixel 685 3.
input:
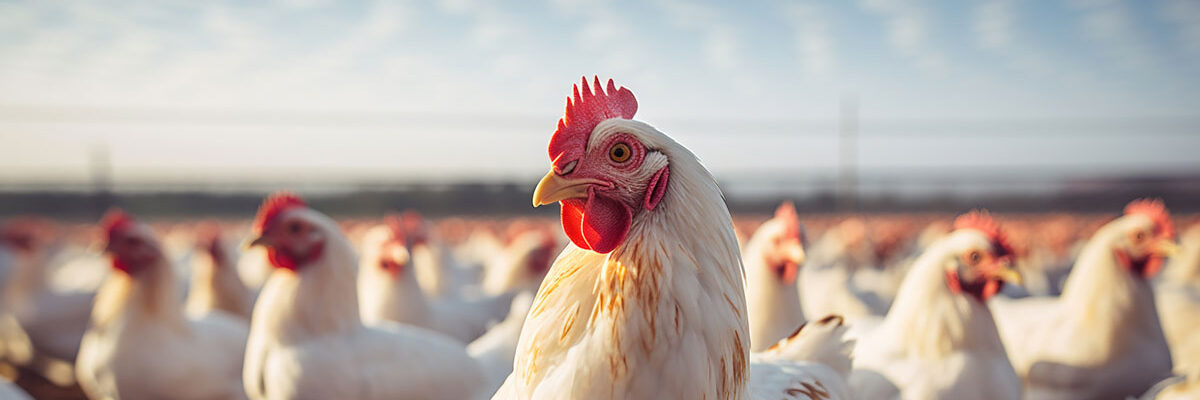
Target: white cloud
pixel 1185 14
pixel 995 25
pixel 720 43
pixel 492 26
pixel 908 31
pixel 814 43
pixel 1109 24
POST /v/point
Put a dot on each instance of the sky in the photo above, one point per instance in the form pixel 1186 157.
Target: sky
pixel 224 91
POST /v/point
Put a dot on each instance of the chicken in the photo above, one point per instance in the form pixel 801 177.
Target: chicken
pixel 497 348
pixel 47 323
pixel 307 339
pixel 648 301
pixel 827 281
pixel 1101 338
pixel 140 345
pixel 1177 295
pixel 522 264
pixel 940 322
pixel 773 257
pixel 434 268
pixel 215 284
pixel 388 290
pixel 253 268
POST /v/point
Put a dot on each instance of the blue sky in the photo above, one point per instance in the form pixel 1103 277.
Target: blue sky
pixel 231 89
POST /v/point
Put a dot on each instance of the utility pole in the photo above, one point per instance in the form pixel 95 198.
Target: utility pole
pixel 848 154
pixel 100 167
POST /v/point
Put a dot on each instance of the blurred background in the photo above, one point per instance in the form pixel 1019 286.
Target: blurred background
pixel 879 119
pixel 200 108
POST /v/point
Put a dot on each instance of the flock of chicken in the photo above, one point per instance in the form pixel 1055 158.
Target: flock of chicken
pixel 658 293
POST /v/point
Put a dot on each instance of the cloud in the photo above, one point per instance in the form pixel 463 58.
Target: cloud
pixel 1185 14
pixel 994 24
pixel 720 43
pixel 907 27
pixel 1110 26
pixel 492 27
pixel 814 44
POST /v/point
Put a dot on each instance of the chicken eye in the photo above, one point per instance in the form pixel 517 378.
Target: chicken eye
pixel 1139 236
pixel 620 152
pixel 974 257
pixel 294 228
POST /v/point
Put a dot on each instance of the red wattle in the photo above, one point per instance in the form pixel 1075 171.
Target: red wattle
pixel 789 273
pixel 599 224
pixel 572 218
pixel 605 222
pixel 280 260
pixel 120 265
pixel 1153 265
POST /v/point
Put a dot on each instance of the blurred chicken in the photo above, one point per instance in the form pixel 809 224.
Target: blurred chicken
pixel 215 284
pixel 434 267
pixel 1177 295
pixel 43 325
pixel 522 264
pixel 1102 337
pixel 827 280
pixel 939 340
pixel 497 348
pixel 253 268
pixel 773 257
pixel 140 345
pixel 388 291
pixel 648 302
pixel 307 340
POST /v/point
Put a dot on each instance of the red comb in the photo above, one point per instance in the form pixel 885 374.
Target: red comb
pixel 585 109
pixel 274 205
pixel 1157 212
pixel 207 233
pixel 396 225
pixel 786 213
pixel 982 221
pixel 113 221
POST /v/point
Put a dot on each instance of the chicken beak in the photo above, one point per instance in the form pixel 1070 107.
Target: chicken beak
pixel 1006 273
pixel 257 241
pixel 1166 248
pixel 795 253
pixel 554 188
pixel 104 247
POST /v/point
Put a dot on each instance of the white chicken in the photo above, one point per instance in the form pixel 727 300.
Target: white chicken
pixel 1177 296
pixel 497 348
pixel 773 257
pixel 648 301
pixel 939 340
pixel 140 345
pixel 215 284
pixel 388 290
pixel 827 280
pixel 253 268
pixel 46 323
pixel 1101 338
pixel 306 337
pixel 522 264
